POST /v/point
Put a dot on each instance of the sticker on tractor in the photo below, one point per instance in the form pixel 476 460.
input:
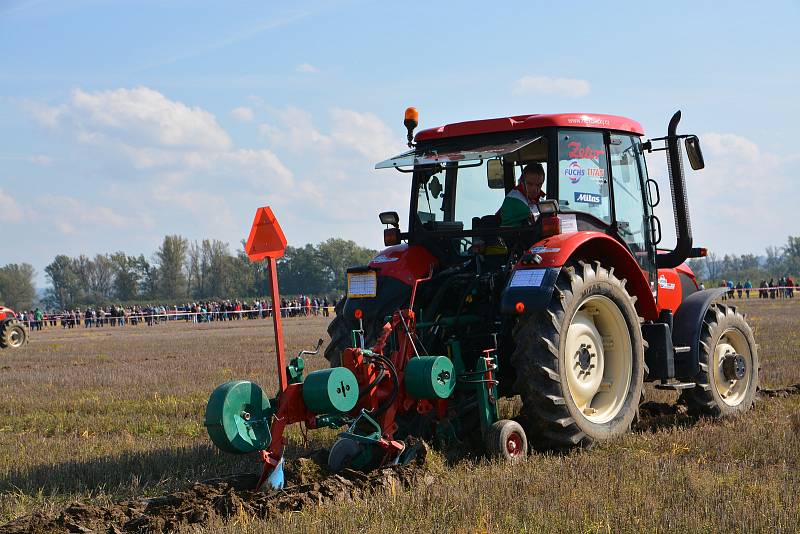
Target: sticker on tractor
pixel 576 151
pixel 527 278
pixel 568 223
pixel 362 285
pixel 383 258
pixel 574 172
pixel 544 250
pixel 663 284
pixel 587 198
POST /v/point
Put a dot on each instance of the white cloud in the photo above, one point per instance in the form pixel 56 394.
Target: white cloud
pixel 10 211
pixel 363 132
pixel 340 160
pixel 242 113
pixel 296 131
pixel 305 67
pixel 139 116
pixel 738 203
pixel 546 85
pixel 68 212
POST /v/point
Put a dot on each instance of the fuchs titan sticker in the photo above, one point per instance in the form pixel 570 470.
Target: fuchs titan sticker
pixel 574 172
pixel 587 198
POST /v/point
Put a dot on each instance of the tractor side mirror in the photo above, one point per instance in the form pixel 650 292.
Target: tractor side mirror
pixel 695 154
pixel 653 193
pixel 495 174
pixel 390 217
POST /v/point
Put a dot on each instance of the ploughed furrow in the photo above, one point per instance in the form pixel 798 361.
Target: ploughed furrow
pixel 221 498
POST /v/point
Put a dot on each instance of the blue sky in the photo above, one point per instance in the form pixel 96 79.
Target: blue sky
pixel 121 122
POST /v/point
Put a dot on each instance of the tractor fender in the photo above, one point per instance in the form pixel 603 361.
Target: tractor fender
pixel 397 267
pixel 687 325
pixel 558 250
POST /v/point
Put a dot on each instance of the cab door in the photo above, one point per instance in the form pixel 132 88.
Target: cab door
pixel 631 211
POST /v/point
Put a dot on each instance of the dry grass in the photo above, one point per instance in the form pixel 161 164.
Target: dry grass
pixel 107 413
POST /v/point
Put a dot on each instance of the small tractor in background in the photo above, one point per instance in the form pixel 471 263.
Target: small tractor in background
pixel 572 310
pixel 13 333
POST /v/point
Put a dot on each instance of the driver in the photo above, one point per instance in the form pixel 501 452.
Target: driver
pixel 522 203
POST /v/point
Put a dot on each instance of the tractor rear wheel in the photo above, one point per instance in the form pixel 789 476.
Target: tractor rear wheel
pixel 341 333
pixel 340 336
pixel 728 377
pixel 13 334
pixel 580 363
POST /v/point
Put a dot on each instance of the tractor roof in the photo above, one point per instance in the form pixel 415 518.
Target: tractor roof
pixel 524 122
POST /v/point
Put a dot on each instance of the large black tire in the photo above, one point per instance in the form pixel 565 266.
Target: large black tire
pixel 341 333
pixel 719 391
pixel 580 363
pixel 13 334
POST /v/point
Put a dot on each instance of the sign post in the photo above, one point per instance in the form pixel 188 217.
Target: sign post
pixel 266 240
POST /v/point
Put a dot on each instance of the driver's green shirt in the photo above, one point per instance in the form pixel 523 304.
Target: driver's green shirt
pixel 516 210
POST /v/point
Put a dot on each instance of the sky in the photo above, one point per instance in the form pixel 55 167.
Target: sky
pixel 122 122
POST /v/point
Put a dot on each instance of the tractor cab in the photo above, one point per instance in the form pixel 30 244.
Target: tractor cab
pixel 595 179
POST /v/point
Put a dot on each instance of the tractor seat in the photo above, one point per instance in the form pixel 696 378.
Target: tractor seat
pixel 488 245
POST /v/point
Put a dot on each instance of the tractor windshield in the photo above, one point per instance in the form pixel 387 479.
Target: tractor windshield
pixel 461 187
pixel 455 195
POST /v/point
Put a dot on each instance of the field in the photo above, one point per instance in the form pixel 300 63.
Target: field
pixel 105 414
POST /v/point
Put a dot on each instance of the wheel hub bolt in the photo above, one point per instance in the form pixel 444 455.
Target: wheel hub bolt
pixel 733 366
pixel 584 357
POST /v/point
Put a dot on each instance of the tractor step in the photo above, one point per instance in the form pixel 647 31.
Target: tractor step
pixel 676 386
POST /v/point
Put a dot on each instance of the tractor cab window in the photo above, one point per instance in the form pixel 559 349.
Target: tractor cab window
pixel 630 208
pixel 583 174
pixel 474 199
pixel 431 205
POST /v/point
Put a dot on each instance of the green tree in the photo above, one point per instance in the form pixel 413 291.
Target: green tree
pixel 148 277
pixel 171 257
pixel 300 271
pixel 337 255
pixel 17 289
pixel 126 276
pixel 64 281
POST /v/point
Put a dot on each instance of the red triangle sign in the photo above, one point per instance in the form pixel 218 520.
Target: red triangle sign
pixel 266 237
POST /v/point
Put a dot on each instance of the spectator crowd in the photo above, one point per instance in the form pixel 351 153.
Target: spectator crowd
pixel 782 288
pixel 195 312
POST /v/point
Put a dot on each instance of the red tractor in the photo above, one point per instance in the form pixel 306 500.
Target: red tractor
pixel 578 304
pixel 12 331
pixel 571 305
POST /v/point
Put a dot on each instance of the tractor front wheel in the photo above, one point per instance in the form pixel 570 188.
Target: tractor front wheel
pixel 580 363
pixel 13 334
pixel 728 377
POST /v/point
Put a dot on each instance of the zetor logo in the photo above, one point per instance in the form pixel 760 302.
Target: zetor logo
pixel 587 198
pixel 574 172
pixel 582 152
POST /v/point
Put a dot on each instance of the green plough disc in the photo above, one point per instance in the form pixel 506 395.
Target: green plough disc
pixel 238 415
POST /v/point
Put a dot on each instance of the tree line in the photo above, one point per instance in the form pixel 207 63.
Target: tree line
pixel 775 263
pixel 181 270
pixel 207 269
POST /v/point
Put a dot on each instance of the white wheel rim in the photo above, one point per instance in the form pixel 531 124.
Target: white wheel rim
pixel 15 338
pixel 598 359
pixel 732 391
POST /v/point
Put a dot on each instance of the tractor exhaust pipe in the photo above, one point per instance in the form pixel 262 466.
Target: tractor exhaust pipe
pixel 680 204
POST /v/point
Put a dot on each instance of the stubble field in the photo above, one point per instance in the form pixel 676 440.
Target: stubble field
pixel 107 414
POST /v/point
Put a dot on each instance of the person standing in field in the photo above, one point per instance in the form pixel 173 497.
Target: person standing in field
pixel 748 285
